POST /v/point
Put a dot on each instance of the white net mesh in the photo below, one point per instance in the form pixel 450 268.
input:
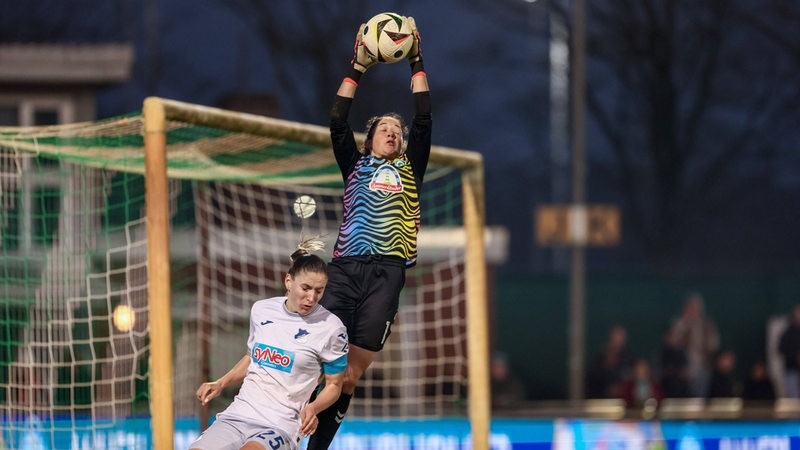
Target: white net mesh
pixel 67 364
pixel 245 235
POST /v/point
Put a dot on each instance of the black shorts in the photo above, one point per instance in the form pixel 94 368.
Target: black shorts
pixel 364 292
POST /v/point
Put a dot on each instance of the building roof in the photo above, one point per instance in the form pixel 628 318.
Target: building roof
pixel 65 63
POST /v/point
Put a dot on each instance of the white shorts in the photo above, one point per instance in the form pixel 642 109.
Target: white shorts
pixel 230 433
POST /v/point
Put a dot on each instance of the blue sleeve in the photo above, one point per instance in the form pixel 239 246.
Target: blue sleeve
pixel 336 366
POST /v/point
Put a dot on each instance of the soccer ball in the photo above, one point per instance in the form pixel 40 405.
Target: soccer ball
pixel 305 206
pixel 387 37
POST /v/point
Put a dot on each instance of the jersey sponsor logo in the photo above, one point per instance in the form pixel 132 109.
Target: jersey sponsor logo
pixel 386 178
pixel 301 336
pixel 272 357
pixel 267 322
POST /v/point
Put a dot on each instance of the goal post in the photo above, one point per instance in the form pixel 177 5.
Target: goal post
pixel 134 247
pixel 158 272
pixel 477 311
pixel 470 163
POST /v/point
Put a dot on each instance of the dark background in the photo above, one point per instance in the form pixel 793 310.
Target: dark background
pixel 692 130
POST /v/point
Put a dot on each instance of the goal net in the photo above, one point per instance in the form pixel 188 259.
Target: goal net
pixel 80 282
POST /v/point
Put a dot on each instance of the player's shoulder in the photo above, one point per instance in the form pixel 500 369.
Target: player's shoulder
pixel 328 317
pixel 334 326
pixel 268 303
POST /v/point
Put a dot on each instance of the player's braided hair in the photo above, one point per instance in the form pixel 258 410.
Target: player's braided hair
pixel 304 260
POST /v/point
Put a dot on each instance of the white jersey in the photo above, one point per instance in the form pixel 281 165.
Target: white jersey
pixel 288 353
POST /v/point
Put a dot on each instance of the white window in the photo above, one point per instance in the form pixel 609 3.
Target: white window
pixel 20 186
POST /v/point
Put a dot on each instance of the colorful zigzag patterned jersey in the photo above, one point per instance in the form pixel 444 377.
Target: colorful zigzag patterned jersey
pixel 382 211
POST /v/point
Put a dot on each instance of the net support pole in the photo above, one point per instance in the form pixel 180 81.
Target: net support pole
pixel 158 274
pixel 477 311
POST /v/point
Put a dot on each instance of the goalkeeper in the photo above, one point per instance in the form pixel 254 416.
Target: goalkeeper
pixel 374 249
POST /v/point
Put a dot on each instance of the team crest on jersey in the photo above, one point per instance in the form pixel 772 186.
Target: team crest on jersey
pixel 387 179
pixel 301 336
pixel 272 357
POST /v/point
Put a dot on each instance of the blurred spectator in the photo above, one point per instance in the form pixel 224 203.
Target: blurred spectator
pixel 640 386
pixel 758 386
pixel 724 382
pixel 697 334
pixel 508 390
pixel 674 373
pixel 789 348
pixel 610 367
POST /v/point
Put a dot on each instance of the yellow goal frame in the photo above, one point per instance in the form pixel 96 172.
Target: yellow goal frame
pixel 157 112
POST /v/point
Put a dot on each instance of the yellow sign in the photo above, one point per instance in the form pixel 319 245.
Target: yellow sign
pixel 592 225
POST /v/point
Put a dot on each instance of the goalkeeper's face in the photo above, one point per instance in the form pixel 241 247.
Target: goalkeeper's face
pixel 387 141
pixel 304 290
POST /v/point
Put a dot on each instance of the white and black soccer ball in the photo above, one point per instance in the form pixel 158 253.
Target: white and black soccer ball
pixel 305 206
pixel 387 37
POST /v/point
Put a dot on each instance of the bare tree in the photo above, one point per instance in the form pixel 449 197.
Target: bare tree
pixel 308 40
pixel 685 94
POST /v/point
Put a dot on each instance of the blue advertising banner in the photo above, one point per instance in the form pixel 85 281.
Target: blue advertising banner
pixel 436 434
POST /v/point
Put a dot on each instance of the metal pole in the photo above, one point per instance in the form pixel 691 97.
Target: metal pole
pixel 577 294
pixel 560 156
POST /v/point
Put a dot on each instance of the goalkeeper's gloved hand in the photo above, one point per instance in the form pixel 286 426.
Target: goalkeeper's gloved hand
pixel 362 60
pixel 415 54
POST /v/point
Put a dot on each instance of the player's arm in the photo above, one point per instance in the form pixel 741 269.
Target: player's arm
pixel 212 389
pixel 419 80
pixel 361 62
pixel 419 143
pixel 345 148
pixel 326 397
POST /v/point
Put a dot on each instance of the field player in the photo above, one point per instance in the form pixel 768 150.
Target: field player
pixel 378 236
pixel 293 341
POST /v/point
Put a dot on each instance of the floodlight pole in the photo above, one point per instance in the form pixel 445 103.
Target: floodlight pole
pixel 577 288
pixel 560 156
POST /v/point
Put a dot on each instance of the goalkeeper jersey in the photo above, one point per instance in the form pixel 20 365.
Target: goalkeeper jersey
pixel 381 197
pixel 288 353
pixel 381 210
